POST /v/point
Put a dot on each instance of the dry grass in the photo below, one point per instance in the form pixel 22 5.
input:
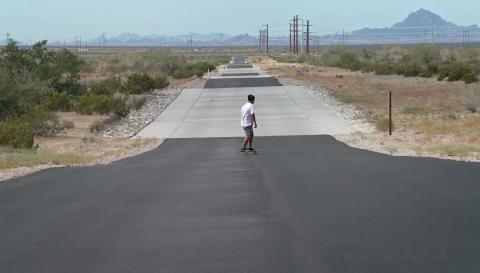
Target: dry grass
pixel 27 158
pixel 432 114
pixel 77 146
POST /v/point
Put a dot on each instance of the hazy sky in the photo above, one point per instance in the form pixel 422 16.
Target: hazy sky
pixel 63 19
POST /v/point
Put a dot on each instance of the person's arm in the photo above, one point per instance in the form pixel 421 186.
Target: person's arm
pixel 254 120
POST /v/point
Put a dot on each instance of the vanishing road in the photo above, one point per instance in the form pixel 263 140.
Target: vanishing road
pixel 304 203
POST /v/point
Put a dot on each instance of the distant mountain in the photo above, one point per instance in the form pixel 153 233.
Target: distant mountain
pixel 423 18
pixel 422 26
pixel 212 39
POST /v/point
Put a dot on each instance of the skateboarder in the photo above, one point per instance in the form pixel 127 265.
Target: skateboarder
pixel 247 122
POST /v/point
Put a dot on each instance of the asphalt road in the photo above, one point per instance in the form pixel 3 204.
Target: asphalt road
pixel 240 74
pixel 242 82
pixel 302 204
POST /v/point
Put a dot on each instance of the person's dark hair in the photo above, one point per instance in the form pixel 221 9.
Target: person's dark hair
pixel 251 98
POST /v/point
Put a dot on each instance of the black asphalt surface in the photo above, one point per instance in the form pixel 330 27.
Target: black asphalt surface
pixel 242 82
pixel 237 65
pixel 303 204
pixel 240 74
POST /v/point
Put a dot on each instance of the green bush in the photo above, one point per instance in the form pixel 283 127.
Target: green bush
pixel 101 104
pixel 161 82
pixel 137 103
pixel 107 87
pixel 197 69
pixel 457 72
pixel 412 71
pixel 43 122
pixel 16 134
pixel 469 77
pixel 140 83
pixel 119 106
pixel 59 102
pixel 90 103
pixel 385 69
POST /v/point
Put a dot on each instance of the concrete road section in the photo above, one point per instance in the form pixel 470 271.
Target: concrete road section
pixel 281 111
pixel 302 204
pixel 242 72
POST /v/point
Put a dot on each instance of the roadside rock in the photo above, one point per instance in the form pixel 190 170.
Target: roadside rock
pixel 137 120
pixel 344 110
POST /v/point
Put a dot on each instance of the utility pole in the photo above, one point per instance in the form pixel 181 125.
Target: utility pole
pixel 302 44
pixel 296 34
pixel 433 36
pixel 308 36
pixel 266 40
pixel 290 37
pixel 343 37
pixel 293 36
pixel 261 41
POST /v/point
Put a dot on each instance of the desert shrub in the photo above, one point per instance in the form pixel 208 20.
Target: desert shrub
pixel 412 71
pixel 101 104
pixel 140 83
pixel 137 103
pixel 89 104
pixel 386 69
pixel 59 101
pixel 161 82
pixel 470 77
pixel 68 125
pixel 197 69
pixel 16 134
pixel 447 113
pixel 456 72
pixel 442 75
pixel 425 74
pixel 433 68
pixel 100 90
pixel 43 122
pixel 98 126
pixel 119 106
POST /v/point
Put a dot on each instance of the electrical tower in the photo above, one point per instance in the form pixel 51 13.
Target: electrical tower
pixel 294 34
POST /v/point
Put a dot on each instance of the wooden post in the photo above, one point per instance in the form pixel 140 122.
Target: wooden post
pixel 390 112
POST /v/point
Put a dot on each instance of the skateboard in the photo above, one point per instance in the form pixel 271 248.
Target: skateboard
pixel 247 152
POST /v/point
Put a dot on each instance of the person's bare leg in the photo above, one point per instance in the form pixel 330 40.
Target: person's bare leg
pixel 250 142
pixel 245 142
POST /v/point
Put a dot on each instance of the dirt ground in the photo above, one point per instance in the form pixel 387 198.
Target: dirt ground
pixel 431 118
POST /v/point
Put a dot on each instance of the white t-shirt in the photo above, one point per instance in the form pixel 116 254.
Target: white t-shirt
pixel 247 111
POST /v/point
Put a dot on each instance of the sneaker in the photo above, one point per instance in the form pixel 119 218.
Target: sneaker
pixel 251 149
pixel 243 150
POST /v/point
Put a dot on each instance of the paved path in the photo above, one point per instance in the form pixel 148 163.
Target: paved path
pixel 215 111
pixel 302 204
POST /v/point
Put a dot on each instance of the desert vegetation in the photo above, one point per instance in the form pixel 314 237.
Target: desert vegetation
pixel 436 95
pixel 450 64
pixel 38 85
